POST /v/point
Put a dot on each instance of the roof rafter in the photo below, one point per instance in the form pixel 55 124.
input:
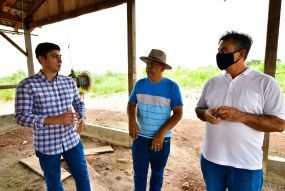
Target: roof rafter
pixel 73 13
pixel 8 17
pixel 4 3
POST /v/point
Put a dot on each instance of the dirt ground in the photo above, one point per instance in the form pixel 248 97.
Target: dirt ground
pixel 115 169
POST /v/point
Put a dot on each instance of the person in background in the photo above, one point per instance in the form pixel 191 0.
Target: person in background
pixel 238 106
pixel 44 102
pixel 150 108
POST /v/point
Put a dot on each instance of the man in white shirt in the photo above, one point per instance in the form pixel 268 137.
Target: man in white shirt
pixel 238 106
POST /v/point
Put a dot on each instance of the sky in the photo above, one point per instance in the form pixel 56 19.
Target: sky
pixel 187 31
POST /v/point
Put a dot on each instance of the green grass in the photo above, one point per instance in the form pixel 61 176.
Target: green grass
pixel 110 83
pixel 280 71
pixel 192 79
pixel 15 78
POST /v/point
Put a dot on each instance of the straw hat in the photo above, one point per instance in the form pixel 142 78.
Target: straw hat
pixel 156 56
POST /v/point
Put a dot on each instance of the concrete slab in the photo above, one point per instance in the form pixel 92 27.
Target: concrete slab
pixel 108 134
pixel 276 171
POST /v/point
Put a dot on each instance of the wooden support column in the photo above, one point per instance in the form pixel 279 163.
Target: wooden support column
pixel 28 43
pixel 131 44
pixel 270 60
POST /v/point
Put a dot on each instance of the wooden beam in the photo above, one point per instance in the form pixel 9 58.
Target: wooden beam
pixel 11 18
pixel 4 87
pixel 131 14
pixel 28 43
pixel 36 5
pixel 13 43
pixel 4 3
pixel 74 13
pixel 270 60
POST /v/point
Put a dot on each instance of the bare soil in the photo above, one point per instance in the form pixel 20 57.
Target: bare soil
pixel 115 169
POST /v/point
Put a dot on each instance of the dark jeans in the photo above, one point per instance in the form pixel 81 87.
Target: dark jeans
pixel 219 177
pixel 76 162
pixel 142 156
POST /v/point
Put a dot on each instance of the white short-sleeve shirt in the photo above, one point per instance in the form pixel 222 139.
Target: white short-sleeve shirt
pixel 234 143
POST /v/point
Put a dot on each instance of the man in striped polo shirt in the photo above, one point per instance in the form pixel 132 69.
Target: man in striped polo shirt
pixel 155 107
pixel 44 102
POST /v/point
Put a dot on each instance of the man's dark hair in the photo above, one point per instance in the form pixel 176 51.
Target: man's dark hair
pixel 243 41
pixel 44 48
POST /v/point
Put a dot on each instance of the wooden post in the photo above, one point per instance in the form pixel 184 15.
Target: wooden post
pixel 270 60
pixel 28 43
pixel 131 44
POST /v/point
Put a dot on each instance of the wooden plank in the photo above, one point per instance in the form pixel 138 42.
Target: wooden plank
pixel 96 182
pixel 33 163
pixel 131 14
pixel 270 61
pixel 60 7
pixel 13 43
pixel 4 87
pixel 98 150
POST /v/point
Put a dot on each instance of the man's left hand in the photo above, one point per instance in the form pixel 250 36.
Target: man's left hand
pixel 230 114
pixel 81 124
pixel 157 142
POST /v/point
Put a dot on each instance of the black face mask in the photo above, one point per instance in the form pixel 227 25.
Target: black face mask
pixel 225 60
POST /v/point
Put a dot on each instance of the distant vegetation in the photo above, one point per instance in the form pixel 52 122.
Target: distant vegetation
pixel 14 79
pixel 110 83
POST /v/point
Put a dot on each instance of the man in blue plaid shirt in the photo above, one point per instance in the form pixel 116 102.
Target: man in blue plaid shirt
pixel 44 102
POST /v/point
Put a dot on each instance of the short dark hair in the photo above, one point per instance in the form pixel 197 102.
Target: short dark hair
pixel 243 41
pixel 44 48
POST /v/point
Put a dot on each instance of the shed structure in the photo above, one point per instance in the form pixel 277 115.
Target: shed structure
pixel 29 14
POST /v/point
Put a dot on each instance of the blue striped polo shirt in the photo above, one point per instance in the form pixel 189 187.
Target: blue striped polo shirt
pixel 155 102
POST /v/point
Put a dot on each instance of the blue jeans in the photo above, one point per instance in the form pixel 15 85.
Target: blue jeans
pixel 51 165
pixel 219 177
pixel 142 156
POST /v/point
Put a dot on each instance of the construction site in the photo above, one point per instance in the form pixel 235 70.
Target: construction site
pixel 106 140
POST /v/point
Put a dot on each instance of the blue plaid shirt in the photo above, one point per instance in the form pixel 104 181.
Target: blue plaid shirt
pixel 38 98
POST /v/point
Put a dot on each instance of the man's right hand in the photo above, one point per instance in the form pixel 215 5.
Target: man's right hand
pixel 133 129
pixel 211 116
pixel 67 118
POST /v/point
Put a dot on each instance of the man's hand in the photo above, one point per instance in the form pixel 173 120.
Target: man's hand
pixel 157 142
pixel 211 115
pixel 81 124
pixel 67 118
pixel 230 114
pixel 133 129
